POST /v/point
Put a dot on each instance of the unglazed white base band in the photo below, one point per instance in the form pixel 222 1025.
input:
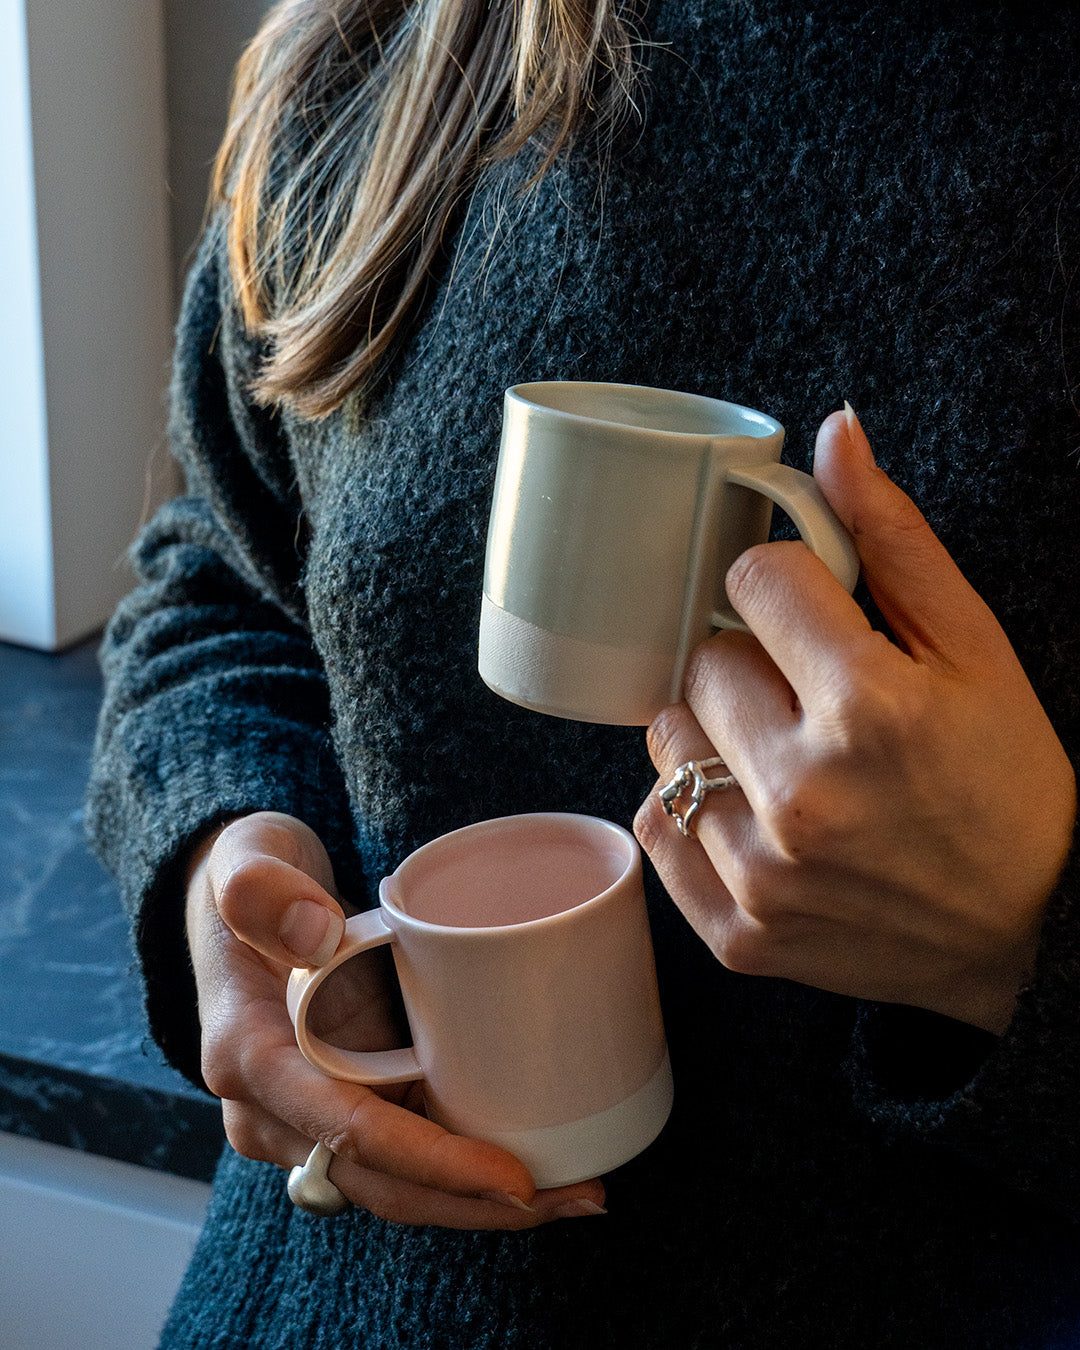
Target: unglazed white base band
pixel 559 1155
pixel 583 681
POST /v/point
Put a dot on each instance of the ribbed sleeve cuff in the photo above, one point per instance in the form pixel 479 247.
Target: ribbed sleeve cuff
pixel 145 830
pixel 1010 1105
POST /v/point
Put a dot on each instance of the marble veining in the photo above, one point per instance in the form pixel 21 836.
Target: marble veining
pixel 76 1062
pixel 110 1118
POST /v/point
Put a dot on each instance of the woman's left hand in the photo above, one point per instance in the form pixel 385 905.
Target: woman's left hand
pixel 905 807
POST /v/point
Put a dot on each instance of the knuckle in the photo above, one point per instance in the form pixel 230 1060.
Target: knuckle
pixel 666 732
pixel 801 819
pixel 358 1140
pixel 239 888
pixel 884 715
pixel 880 705
pixel 222 1064
pixel 874 706
pixel 904 517
pixel 747 951
pixel 758 574
pixel 240 894
pixel 756 890
pixel 700 672
pixel 289 840
pixel 260 830
pixel 649 825
pixel 745 573
pixel 243 879
pixel 441 1164
pixel 221 1078
pixel 243 1132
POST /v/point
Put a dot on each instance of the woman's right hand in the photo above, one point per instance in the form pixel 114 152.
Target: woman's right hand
pixel 261 899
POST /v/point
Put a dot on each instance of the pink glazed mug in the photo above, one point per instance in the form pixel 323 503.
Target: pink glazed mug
pixel 523 952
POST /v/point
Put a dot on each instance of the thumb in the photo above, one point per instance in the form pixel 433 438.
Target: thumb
pixel 923 596
pixel 260 873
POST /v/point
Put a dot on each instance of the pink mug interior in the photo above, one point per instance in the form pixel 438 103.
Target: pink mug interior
pixel 511 871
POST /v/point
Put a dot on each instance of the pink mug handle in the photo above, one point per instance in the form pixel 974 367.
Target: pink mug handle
pixel 362 933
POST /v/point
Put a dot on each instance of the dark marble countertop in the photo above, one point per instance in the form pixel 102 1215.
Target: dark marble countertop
pixel 77 1066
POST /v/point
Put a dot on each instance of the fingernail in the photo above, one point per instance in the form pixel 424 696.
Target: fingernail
pixel 505 1198
pixel 856 435
pixel 311 932
pixel 578 1209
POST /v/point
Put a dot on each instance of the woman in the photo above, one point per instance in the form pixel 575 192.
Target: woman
pixel 868 971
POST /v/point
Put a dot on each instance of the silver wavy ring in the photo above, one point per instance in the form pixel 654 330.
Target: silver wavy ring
pixel 311 1189
pixel 691 777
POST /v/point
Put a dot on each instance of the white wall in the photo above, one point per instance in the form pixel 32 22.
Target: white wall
pixel 103 233
pixel 25 533
pixel 91 1250
pixel 93 110
pixel 110 112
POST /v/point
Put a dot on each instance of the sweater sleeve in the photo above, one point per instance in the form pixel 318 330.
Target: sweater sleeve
pixel 215 702
pixel 1010 1105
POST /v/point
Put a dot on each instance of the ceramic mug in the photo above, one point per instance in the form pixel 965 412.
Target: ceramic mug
pixel 617 512
pixel 523 952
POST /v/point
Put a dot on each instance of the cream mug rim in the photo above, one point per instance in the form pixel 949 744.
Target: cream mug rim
pixel 760 426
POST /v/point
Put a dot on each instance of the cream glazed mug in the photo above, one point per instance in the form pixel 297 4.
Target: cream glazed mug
pixel 617 512
pixel 523 952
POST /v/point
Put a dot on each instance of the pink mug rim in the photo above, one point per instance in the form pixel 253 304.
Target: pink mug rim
pixel 632 867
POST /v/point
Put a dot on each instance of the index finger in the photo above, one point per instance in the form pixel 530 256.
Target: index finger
pixel 806 621
pixel 932 610
pixel 363 1128
pixel 355 1122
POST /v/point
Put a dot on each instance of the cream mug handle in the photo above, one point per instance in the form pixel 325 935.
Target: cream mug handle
pixel 362 933
pixel 799 496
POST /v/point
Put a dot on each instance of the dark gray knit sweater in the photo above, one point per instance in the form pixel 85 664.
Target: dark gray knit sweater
pixel 866 201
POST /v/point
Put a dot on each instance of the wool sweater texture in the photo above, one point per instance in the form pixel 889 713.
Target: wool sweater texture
pixel 873 202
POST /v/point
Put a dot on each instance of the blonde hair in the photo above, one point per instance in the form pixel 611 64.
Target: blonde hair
pixel 357 129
